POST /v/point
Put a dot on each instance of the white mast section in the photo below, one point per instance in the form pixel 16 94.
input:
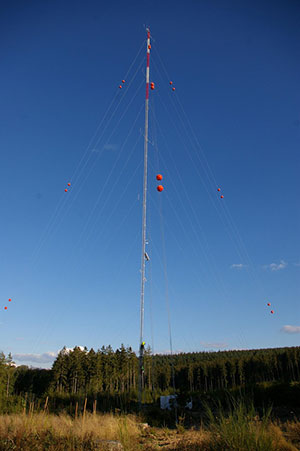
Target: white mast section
pixel 141 347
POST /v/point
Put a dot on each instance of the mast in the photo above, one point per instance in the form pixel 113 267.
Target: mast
pixel 141 344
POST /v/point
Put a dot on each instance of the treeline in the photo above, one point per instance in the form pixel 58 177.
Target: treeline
pixel 231 369
pixel 83 372
pixel 88 372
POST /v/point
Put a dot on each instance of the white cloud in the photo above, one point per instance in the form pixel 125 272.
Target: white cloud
pixel 67 350
pixel 276 266
pixel 46 357
pixel 291 329
pixel 208 345
pixel 238 266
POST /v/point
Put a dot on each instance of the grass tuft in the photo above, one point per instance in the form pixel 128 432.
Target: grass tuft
pixel 242 429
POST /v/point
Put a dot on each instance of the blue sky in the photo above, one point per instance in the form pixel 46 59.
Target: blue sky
pixel 70 261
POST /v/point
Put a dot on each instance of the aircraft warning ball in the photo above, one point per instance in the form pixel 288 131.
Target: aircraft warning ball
pixel 268 304
pixel 9 300
pixel 69 184
pixel 160 188
pixel 219 189
pixel 5 308
pixel 159 177
pixel 272 311
pixel 66 190
pixel 222 197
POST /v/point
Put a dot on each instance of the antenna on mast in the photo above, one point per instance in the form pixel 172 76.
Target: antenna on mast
pixel 142 343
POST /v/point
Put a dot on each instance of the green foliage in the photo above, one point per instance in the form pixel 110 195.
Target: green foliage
pixel 31 380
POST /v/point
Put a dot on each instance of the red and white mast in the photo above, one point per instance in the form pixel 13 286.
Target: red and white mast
pixel 143 257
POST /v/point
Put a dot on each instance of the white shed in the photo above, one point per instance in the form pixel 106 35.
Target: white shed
pixel 165 401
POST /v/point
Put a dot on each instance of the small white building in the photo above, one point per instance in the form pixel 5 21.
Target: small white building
pixel 165 401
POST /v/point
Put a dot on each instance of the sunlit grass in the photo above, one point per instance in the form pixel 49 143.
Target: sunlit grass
pixel 237 429
pixel 65 432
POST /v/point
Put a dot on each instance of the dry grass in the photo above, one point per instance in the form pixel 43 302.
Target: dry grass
pixel 167 439
pixel 292 432
pixel 66 433
pixel 279 440
pixel 39 432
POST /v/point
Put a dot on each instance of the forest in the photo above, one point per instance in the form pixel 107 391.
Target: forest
pixel 111 377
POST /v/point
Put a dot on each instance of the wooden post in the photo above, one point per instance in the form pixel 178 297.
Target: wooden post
pixel 76 409
pixel 95 407
pixel 7 385
pixel 84 407
pixel 46 404
pixel 25 404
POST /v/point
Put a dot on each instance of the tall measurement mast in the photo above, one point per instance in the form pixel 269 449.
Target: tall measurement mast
pixel 141 354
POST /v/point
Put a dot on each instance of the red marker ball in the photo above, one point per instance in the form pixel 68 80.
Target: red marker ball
pixel 173 89
pixel 5 308
pixel 120 87
pixel 272 311
pixel 66 190
pixel 171 82
pixel 219 189
pixel 159 177
pixel 69 184
pixel 160 188
pixel 9 300
pixel 222 197
pixel 268 304
pixel 123 81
